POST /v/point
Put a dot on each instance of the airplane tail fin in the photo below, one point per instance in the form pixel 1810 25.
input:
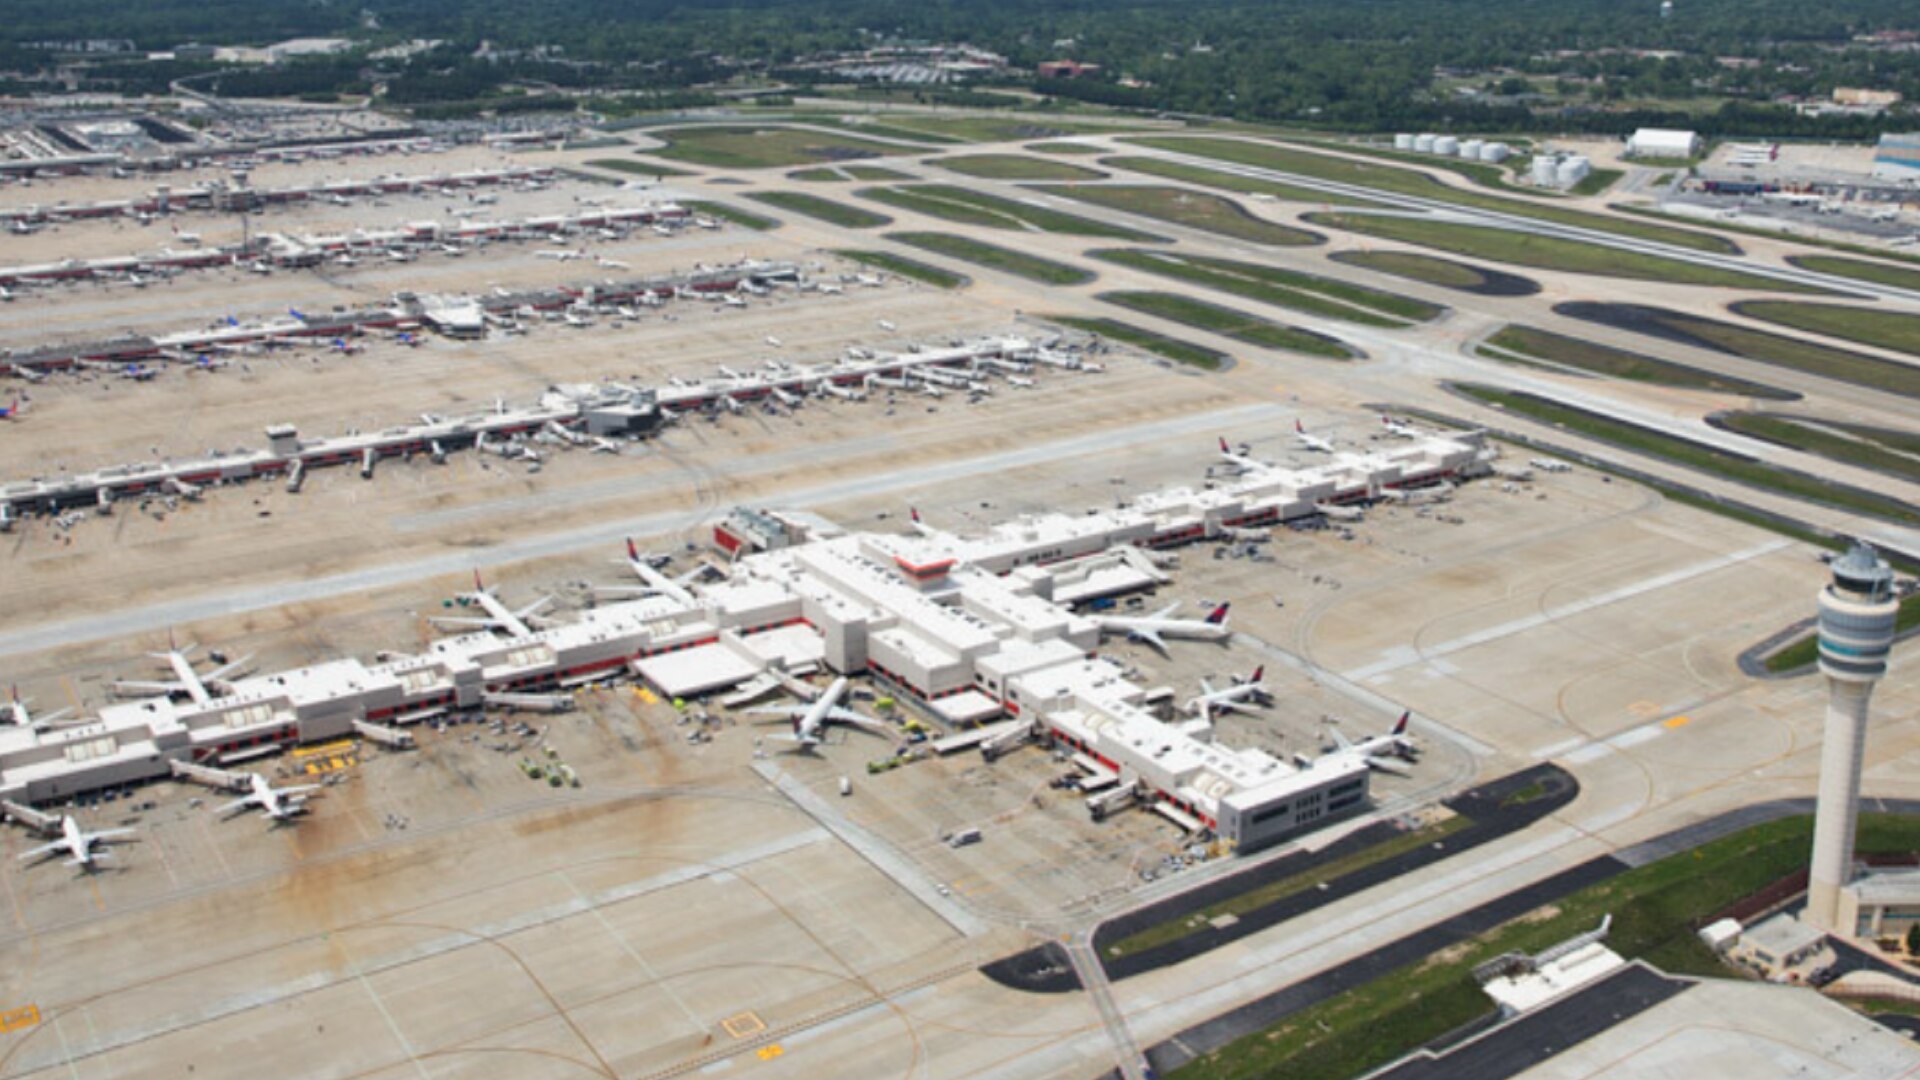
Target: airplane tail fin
pixel 1400 725
pixel 633 553
pixel 478 585
pixel 914 513
pixel 1218 616
pixel 1257 673
pixel 1299 428
pixel 1223 445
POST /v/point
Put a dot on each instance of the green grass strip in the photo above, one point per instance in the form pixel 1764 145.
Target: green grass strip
pixel 1656 909
pixel 994 257
pixel 1597 359
pixel 1235 183
pixel 1406 182
pixel 1310 293
pixel 978 208
pixel 1551 252
pixel 1172 348
pixel 907 268
pixel 1697 456
pixel 799 202
pixel 1180 206
pixel 729 212
pixel 1866 326
pixel 1227 322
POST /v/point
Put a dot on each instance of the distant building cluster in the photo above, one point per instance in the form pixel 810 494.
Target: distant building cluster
pixel 909 65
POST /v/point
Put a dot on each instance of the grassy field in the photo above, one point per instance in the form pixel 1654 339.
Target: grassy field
pixel 1884 329
pixel 1190 208
pixel 1803 651
pixel 1900 277
pixel 1281 288
pixel 977 208
pixel 994 257
pixel 766 147
pixel 1597 359
pixel 1406 182
pixel 635 167
pixel 1016 167
pixel 1063 148
pixel 1275 891
pixel 1172 348
pixel 729 212
pixel 1831 441
pixel 1549 252
pixel 1596 182
pixel 1227 322
pixel 1815 359
pixel 1239 185
pixel 1656 910
pixel 1445 273
pixel 1697 456
pixel 999 128
pixel 845 173
pixel 1484 173
pixel 799 202
pixel 907 268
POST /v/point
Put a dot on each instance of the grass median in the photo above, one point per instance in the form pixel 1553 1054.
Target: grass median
pixel 1551 252
pixel 1227 322
pixel 1866 326
pixel 1696 456
pixel 994 257
pixel 1235 183
pixel 1171 348
pixel 1400 181
pixel 1016 167
pixel 926 273
pixel 838 213
pixel 1310 293
pixel 1656 910
pixel 1196 210
pixel 966 207
pixel 1593 358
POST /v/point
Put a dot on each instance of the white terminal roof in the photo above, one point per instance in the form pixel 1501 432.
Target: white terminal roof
pixel 934 599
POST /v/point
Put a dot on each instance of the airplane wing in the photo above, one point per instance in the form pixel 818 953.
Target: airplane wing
pixel 1388 765
pixel 236 805
pixel 454 620
pixel 1339 740
pixel 43 850
pixel 1166 612
pixel 1149 637
pixel 785 712
pixel 534 608
pixel 110 834
pixel 225 669
pixel 135 686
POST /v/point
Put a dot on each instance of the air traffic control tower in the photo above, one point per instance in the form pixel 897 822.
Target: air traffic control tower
pixel 1857 612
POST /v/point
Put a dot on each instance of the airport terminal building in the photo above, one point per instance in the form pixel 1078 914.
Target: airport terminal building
pixel 977 633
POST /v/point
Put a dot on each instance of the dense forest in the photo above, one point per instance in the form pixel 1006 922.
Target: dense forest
pixel 1571 64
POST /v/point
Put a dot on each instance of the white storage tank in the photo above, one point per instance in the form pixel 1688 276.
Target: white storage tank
pixel 1573 169
pixel 1446 146
pixel 1495 152
pixel 1471 148
pixel 1546 170
pixel 1423 143
pixel 1403 141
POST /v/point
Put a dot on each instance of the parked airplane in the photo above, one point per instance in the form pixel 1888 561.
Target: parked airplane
pixel 561 254
pixel 78 843
pixel 187 681
pixel 731 300
pixel 12 411
pixel 279 804
pixel 1250 691
pixel 17 713
pixel 514 623
pixel 1020 382
pixel 1398 429
pixel 1156 628
pixel 1311 442
pixel 1380 751
pixel 810 720
pixel 1239 459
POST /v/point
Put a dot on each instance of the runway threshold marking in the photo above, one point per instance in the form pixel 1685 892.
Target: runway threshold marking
pixel 744 1025
pixel 19 1019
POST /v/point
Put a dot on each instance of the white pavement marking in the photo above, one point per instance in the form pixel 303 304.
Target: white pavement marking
pixel 254 597
pixel 881 855
pixel 1397 658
